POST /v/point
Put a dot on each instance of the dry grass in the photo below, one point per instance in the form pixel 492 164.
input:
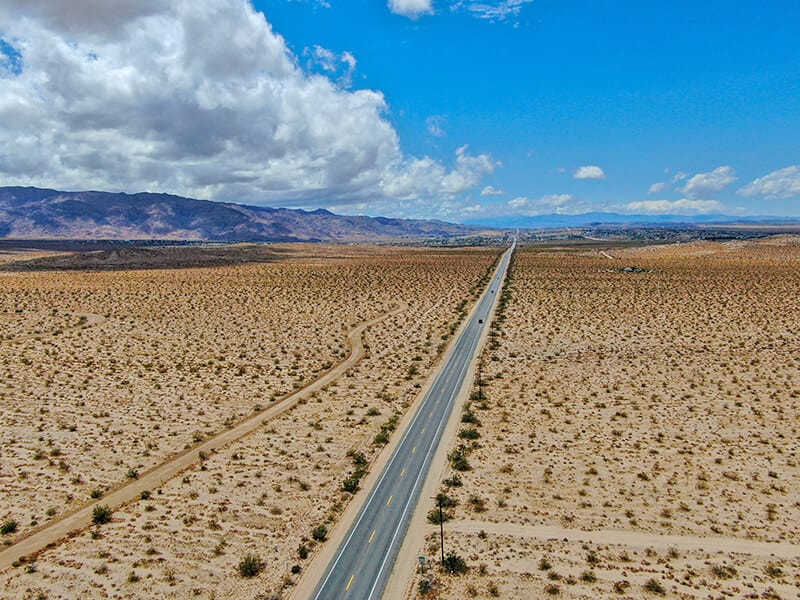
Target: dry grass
pixel 175 356
pixel 665 401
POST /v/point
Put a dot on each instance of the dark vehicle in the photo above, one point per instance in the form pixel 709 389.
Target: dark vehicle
pixel 480 320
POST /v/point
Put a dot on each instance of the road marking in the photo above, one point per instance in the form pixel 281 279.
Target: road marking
pixel 389 501
pixel 371 537
pixel 414 450
pixel 349 583
pixel 403 472
pixel 430 414
pixel 423 431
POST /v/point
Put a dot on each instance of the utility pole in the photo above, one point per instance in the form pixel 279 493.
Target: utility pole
pixel 480 381
pixel 441 525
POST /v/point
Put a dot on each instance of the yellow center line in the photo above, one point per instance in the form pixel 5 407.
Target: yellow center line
pixel 403 472
pixel 413 450
pixel 423 431
pixel 349 583
pixel 389 501
pixel 430 414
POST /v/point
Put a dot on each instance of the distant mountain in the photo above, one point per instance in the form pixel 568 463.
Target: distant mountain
pixel 603 218
pixel 27 212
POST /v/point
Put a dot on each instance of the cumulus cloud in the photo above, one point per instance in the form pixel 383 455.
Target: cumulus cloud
pixel 684 206
pixel 589 172
pixel 778 185
pixel 200 98
pixel 543 204
pixel 705 185
pixel 495 11
pixel 419 177
pixel 411 8
pixel 490 190
pixel 657 188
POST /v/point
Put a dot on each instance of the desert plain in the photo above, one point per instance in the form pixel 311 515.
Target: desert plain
pixel 634 433
pixel 106 374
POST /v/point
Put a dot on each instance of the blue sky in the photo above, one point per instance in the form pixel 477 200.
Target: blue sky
pixel 448 109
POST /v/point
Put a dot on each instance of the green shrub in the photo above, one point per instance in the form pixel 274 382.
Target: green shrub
pixel 454 564
pixel 319 533
pixel 101 515
pixel 250 566
pixel 9 527
pixel 469 433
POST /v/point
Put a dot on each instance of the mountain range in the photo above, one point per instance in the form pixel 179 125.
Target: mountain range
pixel 27 212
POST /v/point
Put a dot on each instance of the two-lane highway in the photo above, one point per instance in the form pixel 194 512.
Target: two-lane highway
pixel 361 566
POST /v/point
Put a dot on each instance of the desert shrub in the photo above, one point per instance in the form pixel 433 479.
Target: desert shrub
pixel 552 590
pixel 424 587
pixel 453 481
pixel 723 571
pixel 295 569
pixel 773 570
pixel 458 459
pixel 544 564
pixel 469 433
pixel 435 518
pixel 250 566
pixel 9 527
pixel 319 533
pixel 477 503
pixel 454 564
pixel 101 515
pixel 588 577
pixel 302 551
pixel 653 586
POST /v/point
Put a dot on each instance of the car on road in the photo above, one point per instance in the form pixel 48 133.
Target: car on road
pixel 480 320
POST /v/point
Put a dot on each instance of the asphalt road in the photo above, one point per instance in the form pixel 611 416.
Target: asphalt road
pixel 363 563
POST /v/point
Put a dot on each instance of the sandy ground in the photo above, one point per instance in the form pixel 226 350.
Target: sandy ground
pixel 661 402
pixel 190 352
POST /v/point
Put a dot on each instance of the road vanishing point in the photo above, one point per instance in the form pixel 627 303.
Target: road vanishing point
pixel 361 567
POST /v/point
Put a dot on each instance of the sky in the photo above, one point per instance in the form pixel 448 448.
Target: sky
pixel 459 110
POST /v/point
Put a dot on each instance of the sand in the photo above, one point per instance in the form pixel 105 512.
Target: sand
pixel 661 402
pixel 179 355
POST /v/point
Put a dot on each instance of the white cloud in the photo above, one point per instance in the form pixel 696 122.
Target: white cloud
pixel 420 177
pixel 680 176
pixel 657 188
pixel 435 125
pixel 197 98
pixel 495 11
pixel 589 172
pixel 778 185
pixel 704 185
pixel 342 66
pixel 411 8
pixel 684 206
pixel 490 190
pixel 543 204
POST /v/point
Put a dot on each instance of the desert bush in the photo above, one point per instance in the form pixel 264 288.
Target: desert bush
pixel 454 564
pixel 101 515
pixel 250 566
pixel 9 527
pixel 655 587
pixel 319 533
